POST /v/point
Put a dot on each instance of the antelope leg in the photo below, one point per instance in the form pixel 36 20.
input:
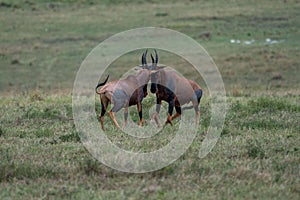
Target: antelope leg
pixel 170 111
pixel 139 107
pixel 104 103
pixel 169 120
pixel 197 112
pixel 175 115
pixel 102 122
pixel 155 115
pixel 197 118
pixel 112 116
pixel 178 112
pixel 125 116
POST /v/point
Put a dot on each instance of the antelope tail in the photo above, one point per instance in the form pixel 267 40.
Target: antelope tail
pixel 101 84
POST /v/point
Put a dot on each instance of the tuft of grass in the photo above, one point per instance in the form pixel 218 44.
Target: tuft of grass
pixel 255 149
pixel 89 166
pixel 43 133
pixel 1 131
pixel 72 137
pixel 36 96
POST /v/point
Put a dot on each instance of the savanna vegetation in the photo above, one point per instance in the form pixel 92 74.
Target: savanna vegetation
pixel 255 45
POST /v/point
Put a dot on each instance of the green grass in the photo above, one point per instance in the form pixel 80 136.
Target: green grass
pixel 42 156
pixel 56 37
pixel 42 45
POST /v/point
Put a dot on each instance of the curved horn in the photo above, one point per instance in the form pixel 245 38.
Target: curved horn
pixel 154 62
pixel 144 61
pixel 152 58
pixel 156 56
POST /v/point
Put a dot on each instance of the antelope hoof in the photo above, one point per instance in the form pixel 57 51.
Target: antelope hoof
pixel 125 124
pixel 169 120
pixel 118 126
pixel 141 122
pixel 175 116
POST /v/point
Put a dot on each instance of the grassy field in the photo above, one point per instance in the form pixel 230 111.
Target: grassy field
pixel 257 156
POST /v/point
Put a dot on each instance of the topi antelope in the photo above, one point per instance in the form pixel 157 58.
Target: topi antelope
pixel 174 89
pixel 124 93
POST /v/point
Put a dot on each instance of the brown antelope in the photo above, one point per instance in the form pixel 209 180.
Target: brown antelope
pixel 174 89
pixel 124 93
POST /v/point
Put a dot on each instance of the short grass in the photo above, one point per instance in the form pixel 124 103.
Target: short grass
pixel 257 155
pixel 42 45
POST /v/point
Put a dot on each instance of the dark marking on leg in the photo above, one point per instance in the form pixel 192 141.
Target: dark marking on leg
pixel 171 106
pixel 178 109
pixel 178 112
pixel 170 111
pixel 103 110
pixel 104 104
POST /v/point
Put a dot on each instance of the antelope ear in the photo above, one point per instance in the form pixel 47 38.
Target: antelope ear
pixel 161 66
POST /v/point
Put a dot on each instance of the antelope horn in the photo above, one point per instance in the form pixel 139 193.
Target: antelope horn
pixel 156 56
pixel 154 63
pixel 152 58
pixel 144 61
